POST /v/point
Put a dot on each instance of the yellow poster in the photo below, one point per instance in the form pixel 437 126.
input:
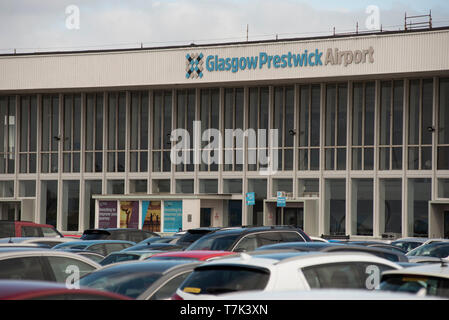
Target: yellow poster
pixel 152 216
pixel 129 214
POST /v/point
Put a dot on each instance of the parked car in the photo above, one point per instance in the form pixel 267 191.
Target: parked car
pixel 116 257
pixel 428 279
pixel 338 247
pixel 134 278
pixel 374 244
pixel 126 234
pixel 436 249
pixel 27 229
pixel 191 235
pixel 41 264
pixel 103 247
pixel 408 244
pixel 155 246
pixel 200 255
pixel 168 239
pixel 248 239
pixel 43 290
pixel 47 241
pixel 280 271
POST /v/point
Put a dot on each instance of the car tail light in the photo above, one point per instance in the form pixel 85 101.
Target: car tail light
pixel 176 297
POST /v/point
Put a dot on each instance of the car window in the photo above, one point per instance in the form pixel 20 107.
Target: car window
pixel 433 286
pixel 223 242
pixel 49 232
pixel 290 236
pixel 25 268
pixel 98 248
pixel 28 231
pixel 92 257
pixel 114 258
pixel 65 267
pixel 345 275
pixel 266 238
pixel 224 279
pixel 169 288
pixel 119 235
pixel 247 243
pixel 113 247
pixel 438 250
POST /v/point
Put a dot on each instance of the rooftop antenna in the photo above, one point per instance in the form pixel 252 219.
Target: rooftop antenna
pixel 357 27
pixel 247 32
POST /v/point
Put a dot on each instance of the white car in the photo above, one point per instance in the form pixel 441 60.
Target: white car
pixel 324 294
pixel 282 271
pixel 428 279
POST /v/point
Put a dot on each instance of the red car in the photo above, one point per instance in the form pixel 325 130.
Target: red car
pixel 27 229
pixel 40 290
pixel 201 255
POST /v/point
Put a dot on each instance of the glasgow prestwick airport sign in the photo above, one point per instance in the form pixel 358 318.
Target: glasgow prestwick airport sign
pixel 314 58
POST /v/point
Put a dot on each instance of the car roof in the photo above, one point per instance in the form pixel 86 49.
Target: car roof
pixel 156 266
pixel 6 250
pixel 32 239
pixel 196 254
pixel 23 289
pixel 269 258
pixel 246 230
pixel 91 242
pixel 432 270
pixel 45 252
pixel 307 246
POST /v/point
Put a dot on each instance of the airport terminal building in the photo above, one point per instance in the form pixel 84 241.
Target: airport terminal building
pixel 344 135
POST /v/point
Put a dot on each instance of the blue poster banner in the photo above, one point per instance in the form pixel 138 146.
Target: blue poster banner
pixel 281 201
pixel 172 216
pixel 250 198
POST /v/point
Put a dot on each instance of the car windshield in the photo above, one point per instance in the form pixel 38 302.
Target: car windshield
pixel 222 243
pixel 130 284
pixel 438 250
pixel 224 279
pixel 413 284
pixel 77 246
pixel 406 245
pixel 119 257
pixel 192 236
pixel 155 240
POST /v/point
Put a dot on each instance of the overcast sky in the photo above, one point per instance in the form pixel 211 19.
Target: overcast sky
pixel 43 25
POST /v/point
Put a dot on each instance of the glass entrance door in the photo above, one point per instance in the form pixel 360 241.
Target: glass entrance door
pixel 205 217
pixel 290 216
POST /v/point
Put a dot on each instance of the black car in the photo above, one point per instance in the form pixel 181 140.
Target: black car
pixel 133 279
pixel 192 235
pixel 134 235
pixel 338 247
pixel 248 238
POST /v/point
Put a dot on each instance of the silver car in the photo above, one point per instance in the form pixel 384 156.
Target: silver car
pixel 43 264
